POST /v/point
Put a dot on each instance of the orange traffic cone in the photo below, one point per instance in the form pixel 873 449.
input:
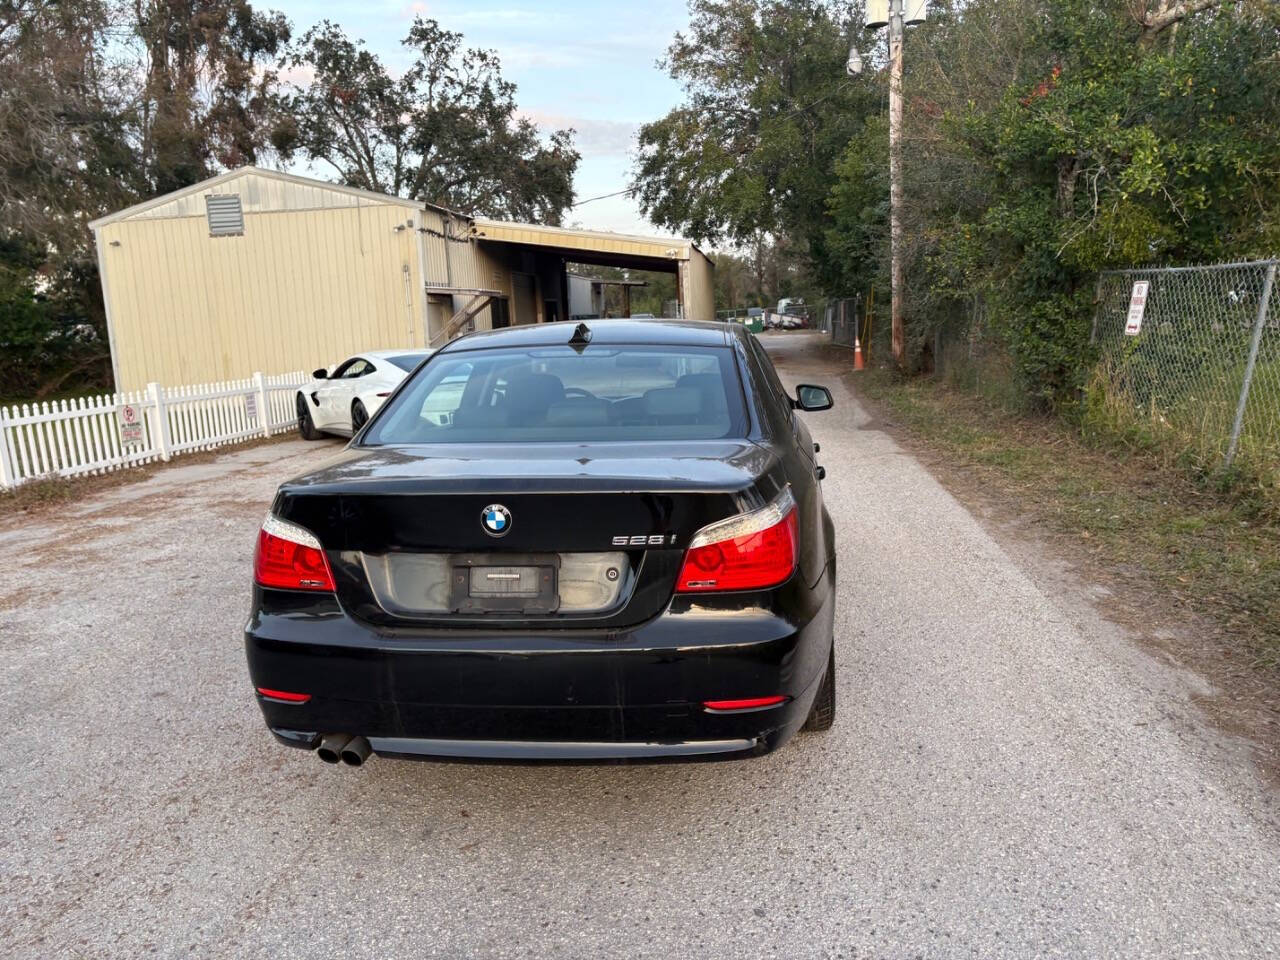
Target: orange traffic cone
pixel 857 355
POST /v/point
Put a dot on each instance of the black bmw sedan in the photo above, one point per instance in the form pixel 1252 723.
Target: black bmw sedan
pixel 557 542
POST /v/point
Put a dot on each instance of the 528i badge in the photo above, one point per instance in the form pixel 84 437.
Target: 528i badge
pixel 646 540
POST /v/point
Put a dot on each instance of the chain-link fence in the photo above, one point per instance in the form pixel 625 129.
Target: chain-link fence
pixel 1195 351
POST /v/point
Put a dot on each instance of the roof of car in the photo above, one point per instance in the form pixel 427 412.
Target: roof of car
pixel 406 352
pixel 666 332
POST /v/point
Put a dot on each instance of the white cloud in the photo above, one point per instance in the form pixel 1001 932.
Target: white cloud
pixel 302 75
pixel 454 18
pixel 615 215
pixel 593 138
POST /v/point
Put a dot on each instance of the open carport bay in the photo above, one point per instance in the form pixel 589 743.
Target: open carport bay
pixel 1009 775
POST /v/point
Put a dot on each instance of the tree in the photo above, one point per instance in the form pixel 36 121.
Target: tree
pixel 768 109
pixel 102 105
pixel 446 131
pixel 853 256
pixel 207 96
pixel 735 281
pixel 64 153
pixel 63 140
pixel 1051 139
pixel 658 292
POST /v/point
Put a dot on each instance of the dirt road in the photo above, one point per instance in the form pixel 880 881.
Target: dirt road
pixel 1009 775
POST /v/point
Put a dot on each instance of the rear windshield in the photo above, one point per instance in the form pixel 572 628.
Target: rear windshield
pixel 408 361
pixel 555 394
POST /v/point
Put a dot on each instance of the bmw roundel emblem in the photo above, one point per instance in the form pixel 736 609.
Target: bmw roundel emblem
pixel 496 520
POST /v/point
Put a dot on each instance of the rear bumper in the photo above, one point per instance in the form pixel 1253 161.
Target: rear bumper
pixel 565 696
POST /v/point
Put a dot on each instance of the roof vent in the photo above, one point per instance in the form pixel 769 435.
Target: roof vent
pixel 225 216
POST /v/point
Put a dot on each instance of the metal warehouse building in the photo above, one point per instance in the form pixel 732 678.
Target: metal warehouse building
pixel 260 270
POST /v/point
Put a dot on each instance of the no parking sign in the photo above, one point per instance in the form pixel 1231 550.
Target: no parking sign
pixel 1137 307
pixel 130 424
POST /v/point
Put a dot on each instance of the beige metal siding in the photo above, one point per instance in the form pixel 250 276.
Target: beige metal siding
pixel 586 240
pixel 447 259
pixel 697 276
pixel 491 271
pixel 297 291
pixel 259 192
pixel 321 272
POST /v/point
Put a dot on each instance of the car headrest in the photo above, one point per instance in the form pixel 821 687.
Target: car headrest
pixel 701 381
pixel 710 385
pixel 530 394
pixel 578 412
pixel 673 402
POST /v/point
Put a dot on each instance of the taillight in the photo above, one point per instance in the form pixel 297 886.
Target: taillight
pixel 290 558
pixel 747 552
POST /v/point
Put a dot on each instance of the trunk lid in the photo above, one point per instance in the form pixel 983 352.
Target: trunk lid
pixel 398 521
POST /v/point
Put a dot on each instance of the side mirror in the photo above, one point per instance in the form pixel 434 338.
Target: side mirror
pixel 812 398
pixel 321 374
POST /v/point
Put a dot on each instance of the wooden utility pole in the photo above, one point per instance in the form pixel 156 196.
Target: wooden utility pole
pixel 897 27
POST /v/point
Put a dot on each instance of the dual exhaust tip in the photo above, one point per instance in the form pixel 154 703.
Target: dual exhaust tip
pixel 335 747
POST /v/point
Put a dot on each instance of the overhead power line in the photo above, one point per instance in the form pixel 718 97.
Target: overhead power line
pixel 603 196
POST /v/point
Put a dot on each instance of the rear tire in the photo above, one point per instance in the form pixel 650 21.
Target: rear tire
pixel 823 712
pixel 359 416
pixel 306 426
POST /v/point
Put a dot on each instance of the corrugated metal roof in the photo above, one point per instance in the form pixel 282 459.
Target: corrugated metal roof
pixel 599 241
pixel 261 190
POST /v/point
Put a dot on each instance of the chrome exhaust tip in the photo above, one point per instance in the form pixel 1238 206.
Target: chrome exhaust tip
pixel 356 752
pixel 331 747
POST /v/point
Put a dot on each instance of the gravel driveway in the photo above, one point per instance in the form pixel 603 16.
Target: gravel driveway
pixel 1008 776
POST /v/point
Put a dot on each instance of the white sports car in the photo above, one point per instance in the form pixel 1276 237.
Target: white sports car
pixel 341 399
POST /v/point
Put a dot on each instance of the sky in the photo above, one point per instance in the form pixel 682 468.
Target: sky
pixel 590 66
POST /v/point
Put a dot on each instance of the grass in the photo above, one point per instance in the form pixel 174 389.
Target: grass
pixel 1192 425
pixel 1172 537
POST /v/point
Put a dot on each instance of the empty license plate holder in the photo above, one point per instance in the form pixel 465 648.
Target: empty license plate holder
pixel 482 583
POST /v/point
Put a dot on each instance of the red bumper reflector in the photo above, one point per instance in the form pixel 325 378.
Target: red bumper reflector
pixel 284 695
pixel 751 703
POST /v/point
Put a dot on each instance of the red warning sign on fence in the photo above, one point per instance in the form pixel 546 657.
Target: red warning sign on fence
pixel 130 424
pixel 1137 307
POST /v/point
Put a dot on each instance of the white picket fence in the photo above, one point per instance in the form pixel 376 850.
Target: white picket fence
pixel 67 438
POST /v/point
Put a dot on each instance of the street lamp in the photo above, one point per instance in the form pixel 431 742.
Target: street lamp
pixel 853 66
pixel 896 15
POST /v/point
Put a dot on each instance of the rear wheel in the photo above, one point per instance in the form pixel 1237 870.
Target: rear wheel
pixel 306 426
pixel 359 416
pixel 823 712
